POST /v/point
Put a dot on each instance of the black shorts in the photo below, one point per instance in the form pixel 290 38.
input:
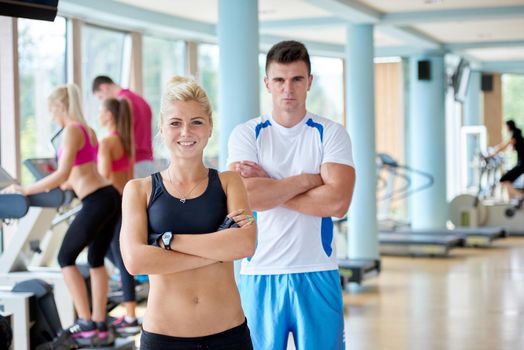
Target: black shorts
pixel 513 174
pixel 237 338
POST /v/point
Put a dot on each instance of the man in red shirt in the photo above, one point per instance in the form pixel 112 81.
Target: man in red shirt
pixel 103 88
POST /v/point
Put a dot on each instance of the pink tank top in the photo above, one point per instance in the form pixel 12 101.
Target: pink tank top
pixel 86 154
pixel 121 164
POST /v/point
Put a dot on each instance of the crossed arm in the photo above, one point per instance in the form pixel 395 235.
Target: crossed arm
pixel 229 244
pixel 188 251
pixel 326 194
pixel 139 257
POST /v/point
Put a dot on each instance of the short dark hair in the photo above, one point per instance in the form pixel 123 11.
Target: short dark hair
pixel 516 133
pixel 287 52
pixel 511 125
pixel 101 79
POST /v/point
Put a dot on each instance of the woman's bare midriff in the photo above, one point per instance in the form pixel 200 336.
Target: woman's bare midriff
pixel 193 303
pixel 85 179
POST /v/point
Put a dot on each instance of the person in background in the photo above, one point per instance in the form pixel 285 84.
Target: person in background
pixel 115 163
pixel 104 87
pixel 93 225
pixel 516 141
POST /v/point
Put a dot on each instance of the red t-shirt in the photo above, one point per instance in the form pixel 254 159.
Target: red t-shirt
pixel 142 128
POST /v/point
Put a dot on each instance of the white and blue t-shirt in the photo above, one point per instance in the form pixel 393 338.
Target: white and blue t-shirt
pixel 289 241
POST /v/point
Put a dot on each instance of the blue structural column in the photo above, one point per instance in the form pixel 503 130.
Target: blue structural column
pixel 427 136
pixel 238 67
pixel 360 121
pixel 472 103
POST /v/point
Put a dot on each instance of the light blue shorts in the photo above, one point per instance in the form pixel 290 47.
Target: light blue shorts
pixel 309 305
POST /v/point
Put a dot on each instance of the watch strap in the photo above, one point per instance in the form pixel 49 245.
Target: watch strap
pixel 154 239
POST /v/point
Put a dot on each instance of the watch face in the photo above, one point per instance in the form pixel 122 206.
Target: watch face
pixel 167 235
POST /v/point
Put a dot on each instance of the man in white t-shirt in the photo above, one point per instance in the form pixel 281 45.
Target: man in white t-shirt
pixel 298 170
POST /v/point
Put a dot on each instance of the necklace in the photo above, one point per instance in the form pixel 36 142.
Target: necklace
pixel 182 197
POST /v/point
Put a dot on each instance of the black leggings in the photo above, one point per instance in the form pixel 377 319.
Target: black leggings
pixel 92 227
pixel 115 256
pixel 513 174
pixel 237 338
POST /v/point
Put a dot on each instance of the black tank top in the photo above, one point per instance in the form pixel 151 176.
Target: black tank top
pixel 202 214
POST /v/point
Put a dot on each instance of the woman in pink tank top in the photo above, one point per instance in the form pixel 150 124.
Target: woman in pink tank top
pixel 93 225
pixel 115 163
pixel 116 151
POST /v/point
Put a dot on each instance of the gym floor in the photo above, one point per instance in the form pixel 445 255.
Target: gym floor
pixel 470 300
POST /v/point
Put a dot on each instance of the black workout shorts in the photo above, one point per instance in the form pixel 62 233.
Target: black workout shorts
pixel 237 338
pixel 513 174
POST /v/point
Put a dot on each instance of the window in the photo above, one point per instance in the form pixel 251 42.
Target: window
pixel 42 67
pixel 162 59
pixel 266 103
pixel 326 97
pixel 102 54
pixel 208 74
pixel 513 103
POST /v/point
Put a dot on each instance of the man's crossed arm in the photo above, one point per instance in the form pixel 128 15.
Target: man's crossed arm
pixel 326 194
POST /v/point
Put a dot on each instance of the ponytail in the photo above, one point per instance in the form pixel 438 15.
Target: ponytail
pixel 124 126
pixel 121 112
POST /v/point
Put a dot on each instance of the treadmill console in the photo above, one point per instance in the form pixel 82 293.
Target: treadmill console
pixel 41 167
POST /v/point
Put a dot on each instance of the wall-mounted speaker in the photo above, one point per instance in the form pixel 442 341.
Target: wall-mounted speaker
pixel 34 9
pixel 424 70
pixel 486 82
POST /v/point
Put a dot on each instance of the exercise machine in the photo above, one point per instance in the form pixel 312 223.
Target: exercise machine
pixel 35 215
pixel 402 240
pixel 396 237
pixel 481 211
pixel 355 271
pixel 30 303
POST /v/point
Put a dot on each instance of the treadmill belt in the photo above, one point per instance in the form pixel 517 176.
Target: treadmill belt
pixel 416 238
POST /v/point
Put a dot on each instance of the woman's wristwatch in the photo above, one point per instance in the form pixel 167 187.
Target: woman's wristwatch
pixel 167 238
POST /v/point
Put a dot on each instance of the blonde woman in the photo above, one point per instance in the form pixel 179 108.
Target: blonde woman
pixel 115 163
pixel 93 226
pixel 193 299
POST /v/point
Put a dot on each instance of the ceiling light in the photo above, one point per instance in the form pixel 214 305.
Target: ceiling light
pixel 433 2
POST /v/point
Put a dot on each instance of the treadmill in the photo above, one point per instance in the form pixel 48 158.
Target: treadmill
pixel 40 210
pixel 472 236
pixel 357 270
pixel 411 243
pixel 423 242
